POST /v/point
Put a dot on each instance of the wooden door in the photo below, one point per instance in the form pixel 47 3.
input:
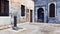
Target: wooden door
pixel 30 15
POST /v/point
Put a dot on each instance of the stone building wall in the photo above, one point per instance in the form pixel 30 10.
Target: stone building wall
pixel 44 3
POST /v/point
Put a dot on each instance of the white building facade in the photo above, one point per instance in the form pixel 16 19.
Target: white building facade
pixel 19 8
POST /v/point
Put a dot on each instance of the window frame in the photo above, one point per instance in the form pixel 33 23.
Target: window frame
pixel 49 8
pixel 21 11
pixel 4 8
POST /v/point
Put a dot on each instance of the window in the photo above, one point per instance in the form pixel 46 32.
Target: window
pixel 52 10
pixel 4 8
pixel 27 10
pixel 22 10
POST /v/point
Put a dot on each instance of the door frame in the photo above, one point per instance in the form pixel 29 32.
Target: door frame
pixel 37 15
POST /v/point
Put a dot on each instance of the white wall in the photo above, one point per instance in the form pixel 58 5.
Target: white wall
pixel 5 20
pixel 15 9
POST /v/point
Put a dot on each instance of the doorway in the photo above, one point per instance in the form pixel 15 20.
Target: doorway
pixel 40 15
pixel 30 15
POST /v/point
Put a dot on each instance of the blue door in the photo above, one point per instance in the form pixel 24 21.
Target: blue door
pixel 40 15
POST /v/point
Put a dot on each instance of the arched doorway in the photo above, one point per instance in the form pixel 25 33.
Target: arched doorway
pixel 40 15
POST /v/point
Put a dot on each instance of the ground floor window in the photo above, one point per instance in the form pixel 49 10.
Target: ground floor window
pixel 22 10
pixel 4 8
pixel 52 10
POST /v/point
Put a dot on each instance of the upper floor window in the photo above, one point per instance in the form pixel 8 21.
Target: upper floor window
pixel 22 10
pixel 4 8
pixel 52 10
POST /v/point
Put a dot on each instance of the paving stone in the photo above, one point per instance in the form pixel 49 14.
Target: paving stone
pixel 36 29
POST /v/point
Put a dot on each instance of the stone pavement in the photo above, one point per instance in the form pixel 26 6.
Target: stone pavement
pixel 35 28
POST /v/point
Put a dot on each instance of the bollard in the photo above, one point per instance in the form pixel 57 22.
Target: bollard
pixel 15 23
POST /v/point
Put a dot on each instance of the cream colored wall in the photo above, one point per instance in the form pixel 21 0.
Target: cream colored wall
pixel 28 4
pixel 15 8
